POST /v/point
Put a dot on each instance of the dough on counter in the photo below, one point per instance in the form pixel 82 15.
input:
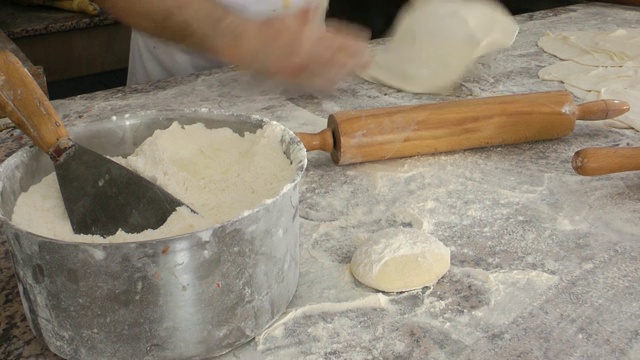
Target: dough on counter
pixel 400 259
pixel 620 47
pixel 599 65
pixel 433 43
pixel 588 78
pixel 629 91
pixel 592 83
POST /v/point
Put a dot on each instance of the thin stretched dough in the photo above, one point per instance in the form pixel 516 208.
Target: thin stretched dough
pixel 629 91
pixel 620 47
pixel 588 78
pixel 434 42
pixel 599 65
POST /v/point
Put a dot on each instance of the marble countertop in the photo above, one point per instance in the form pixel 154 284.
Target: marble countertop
pixel 18 21
pixel 545 263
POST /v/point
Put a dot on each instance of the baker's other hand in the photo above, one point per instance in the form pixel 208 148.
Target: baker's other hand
pixel 298 48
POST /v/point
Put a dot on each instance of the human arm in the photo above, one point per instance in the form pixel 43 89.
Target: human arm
pixel 293 47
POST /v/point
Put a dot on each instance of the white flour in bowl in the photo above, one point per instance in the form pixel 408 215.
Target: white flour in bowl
pixel 216 172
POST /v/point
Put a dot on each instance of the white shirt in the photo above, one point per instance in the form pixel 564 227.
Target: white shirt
pixel 152 59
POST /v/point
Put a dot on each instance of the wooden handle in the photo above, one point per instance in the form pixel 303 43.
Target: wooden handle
pixel 601 109
pixel 322 141
pixel 28 107
pixel 378 134
pixel 603 161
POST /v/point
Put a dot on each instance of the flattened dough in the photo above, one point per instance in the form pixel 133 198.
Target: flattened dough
pixel 588 78
pixel 619 47
pixel 592 83
pixel 600 65
pixel 433 43
pixel 628 91
pixel 583 94
pixel 400 259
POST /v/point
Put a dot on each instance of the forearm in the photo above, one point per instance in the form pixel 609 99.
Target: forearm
pixel 293 47
pixel 202 25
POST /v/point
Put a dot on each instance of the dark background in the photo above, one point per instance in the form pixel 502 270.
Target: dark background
pixel 378 15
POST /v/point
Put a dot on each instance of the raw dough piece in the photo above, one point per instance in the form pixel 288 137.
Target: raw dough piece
pixel 628 91
pixel 586 82
pixel 582 94
pixel 592 83
pixel 433 43
pixel 612 48
pixel 588 78
pixel 603 65
pixel 400 259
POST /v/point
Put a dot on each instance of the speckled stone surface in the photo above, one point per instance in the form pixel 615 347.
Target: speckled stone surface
pixel 545 263
pixel 20 21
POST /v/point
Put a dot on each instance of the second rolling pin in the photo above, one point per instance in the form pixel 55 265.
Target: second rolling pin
pixel 377 134
pixel 606 160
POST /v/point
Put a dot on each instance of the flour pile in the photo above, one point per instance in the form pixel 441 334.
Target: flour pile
pixel 598 65
pixel 216 172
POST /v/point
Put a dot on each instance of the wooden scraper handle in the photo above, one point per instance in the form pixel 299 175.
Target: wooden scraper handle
pixel 606 160
pixel 28 107
pixel 377 134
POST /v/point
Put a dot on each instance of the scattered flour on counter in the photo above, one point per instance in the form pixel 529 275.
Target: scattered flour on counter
pixel 442 323
pixel 400 259
pixel 217 172
pixel 376 301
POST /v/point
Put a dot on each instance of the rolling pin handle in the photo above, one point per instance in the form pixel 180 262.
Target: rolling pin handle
pixel 320 141
pixel 601 109
pixel 606 160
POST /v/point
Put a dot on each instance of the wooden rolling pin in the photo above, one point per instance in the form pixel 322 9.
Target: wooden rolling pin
pixel 386 133
pixel 606 160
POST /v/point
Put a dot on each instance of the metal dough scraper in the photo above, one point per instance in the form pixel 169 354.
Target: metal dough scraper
pixel 100 195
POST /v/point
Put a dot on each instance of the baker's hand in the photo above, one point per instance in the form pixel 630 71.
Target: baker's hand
pixel 298 48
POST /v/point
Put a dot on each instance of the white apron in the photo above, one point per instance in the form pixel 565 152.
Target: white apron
pixel 152 59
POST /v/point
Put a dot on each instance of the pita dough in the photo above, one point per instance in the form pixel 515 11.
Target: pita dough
pixel 588 83
pixel 433 43
pixel 400 259
pixel 628 91
pixel 620 47
pixel 602 65
pixel 588 78
pixel 582 94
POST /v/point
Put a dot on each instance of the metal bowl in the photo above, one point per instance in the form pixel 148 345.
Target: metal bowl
pixel 192 296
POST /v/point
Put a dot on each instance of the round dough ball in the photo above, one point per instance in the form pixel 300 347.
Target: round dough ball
pixel 400 259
